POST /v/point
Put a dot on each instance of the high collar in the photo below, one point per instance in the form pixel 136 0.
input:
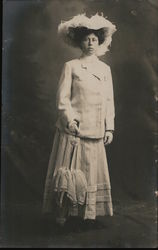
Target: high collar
pixel 88 59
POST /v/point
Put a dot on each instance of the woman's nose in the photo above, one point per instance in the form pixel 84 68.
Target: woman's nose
pixel 90 42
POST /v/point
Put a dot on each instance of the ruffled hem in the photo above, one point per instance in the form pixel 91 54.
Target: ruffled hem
pixel 87 185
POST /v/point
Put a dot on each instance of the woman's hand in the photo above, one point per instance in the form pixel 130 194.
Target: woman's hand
pixel 108 137
pixel 72 126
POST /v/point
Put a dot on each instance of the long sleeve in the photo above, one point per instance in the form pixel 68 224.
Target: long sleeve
pixel 110 108
pixel 63 98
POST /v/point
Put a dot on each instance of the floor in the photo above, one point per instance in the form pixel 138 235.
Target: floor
pixel 134 224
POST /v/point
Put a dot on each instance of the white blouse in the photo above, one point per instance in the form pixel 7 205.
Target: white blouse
pixel 85 93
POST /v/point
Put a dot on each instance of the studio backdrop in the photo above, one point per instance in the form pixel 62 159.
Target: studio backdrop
pixel 33 57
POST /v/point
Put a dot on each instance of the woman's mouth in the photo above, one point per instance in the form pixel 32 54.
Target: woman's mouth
pixel 90 49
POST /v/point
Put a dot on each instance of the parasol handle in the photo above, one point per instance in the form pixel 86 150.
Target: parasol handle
pixel 74 144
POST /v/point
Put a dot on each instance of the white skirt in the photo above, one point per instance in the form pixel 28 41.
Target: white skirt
pixel 90 157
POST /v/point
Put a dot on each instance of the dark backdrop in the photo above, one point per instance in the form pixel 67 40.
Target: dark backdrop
pixel 32 61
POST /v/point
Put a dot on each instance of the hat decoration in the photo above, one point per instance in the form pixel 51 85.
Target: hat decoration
pixel 96 22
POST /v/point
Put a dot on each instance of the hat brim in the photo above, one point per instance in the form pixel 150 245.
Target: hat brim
pixel 66 30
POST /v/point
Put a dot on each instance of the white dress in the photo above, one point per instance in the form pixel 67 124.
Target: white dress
pixel 90 157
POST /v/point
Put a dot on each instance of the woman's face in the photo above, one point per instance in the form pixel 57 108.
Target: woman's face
pixel 89 44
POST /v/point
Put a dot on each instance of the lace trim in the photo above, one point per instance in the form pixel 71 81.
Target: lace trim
pixel 97 187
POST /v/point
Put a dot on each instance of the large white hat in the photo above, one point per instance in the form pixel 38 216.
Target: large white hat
pixel 95 22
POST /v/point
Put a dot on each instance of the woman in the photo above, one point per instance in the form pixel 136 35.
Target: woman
pixel 85 106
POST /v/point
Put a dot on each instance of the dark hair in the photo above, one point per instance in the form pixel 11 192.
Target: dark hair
pixel 77 34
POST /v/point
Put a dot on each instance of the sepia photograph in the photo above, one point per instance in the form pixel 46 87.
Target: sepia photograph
pixel 79 148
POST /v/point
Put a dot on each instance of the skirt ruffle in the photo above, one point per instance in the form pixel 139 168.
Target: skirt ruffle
pixel 89 158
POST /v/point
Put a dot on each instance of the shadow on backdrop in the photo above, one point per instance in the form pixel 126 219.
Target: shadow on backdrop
pixel 32 64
